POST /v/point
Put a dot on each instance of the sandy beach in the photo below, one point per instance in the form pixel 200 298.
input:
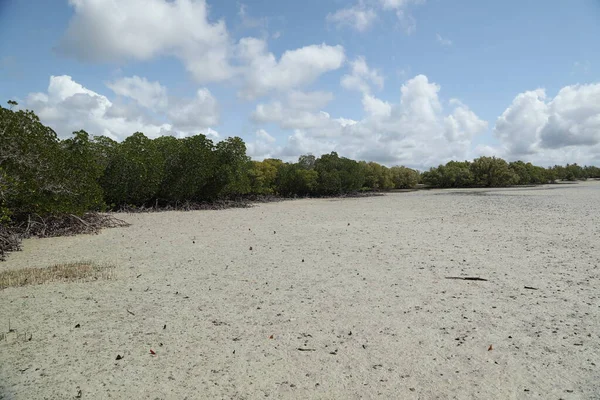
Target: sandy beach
pixel 322 299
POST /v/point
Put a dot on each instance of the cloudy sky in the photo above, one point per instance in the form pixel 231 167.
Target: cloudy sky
pixel 412 82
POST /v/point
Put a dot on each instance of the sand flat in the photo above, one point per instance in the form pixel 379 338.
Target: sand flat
pixel 353 293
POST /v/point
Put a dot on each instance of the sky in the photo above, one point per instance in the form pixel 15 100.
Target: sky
pixel 399 82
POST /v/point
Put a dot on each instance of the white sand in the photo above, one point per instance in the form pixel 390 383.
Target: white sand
pixel 373 293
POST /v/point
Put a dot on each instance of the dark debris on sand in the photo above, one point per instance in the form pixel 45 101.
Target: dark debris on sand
pixel 51 226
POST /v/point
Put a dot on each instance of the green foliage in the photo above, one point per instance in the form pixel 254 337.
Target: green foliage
pixel 453 174
pixel 338 175
pixel 134 173
pixel 592 172
pixel 307 161
pixel 404 178
pixel 492 172
pixel 529 174
pixel 42 175
pixel 263 175
pixel 489 172
pixel 293 180
pixel 83 172
pixel 5 183
pixel 377 176
pixel 233 165
pixel 573 172
pixel 190 166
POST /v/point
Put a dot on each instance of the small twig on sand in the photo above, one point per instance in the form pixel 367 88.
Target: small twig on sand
pixel 301 349
pixel 467 278
pixel 531 287
pixel 130 312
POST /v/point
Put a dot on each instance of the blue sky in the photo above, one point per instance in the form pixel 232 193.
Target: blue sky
pixel 413 82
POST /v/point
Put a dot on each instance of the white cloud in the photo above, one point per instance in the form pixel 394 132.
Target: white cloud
pixel 363 14
pixel 562 129
pixel 414 131
pixel 308 100
pixel 118 30
pixel 247 21
pixel 359 17
pixel 264 73
pixel 463 124
pixel 375 107
pixel 361 77
pixel 519 125
pixel 289 118
pixel 151 95
pixel 264 135
pixel 190 114
pixel 68 106
pixel 298 110
pixel 407 22
pixel 398 4
pixel 443 41
pixel 263 146
pixel 141 30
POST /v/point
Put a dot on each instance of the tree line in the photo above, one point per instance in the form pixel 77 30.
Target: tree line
pixel 43 175
pixel 496 172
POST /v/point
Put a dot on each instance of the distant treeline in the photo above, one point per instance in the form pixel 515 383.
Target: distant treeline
pixel 42 175
pixel 495 172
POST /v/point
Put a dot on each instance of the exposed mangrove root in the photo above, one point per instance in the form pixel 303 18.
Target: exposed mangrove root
pixel 51 226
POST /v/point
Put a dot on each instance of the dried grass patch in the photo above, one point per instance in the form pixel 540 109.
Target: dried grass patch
pixel 70 272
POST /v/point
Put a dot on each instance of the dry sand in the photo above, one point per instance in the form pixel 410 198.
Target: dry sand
pixel 369 304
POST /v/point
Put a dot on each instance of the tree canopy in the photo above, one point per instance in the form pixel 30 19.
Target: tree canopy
pixel 43 175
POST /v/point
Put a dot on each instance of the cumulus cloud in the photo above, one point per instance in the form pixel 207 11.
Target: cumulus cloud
pixel 362 77
pixel 264 73
pixel 68 106
pixel 116 31
pixel 289 118
pixel 375 107
pixel 262 146
pixel 462 124
pixel 198 112
pixel 308 100
pixel 360 17
pixel 151 95
pixel 141 30
pixel 298 110
pixel 519 125
pixel 413 131
pixel 545 130
pixel 552 130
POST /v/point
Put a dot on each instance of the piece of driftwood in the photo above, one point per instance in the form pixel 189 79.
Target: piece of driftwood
pixel 301 349
pixel 531 287
pixel 467 278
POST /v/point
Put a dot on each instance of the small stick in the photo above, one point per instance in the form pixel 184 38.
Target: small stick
pixel 300 349
pixel 467 278
pixel 130 312
pixel 531 287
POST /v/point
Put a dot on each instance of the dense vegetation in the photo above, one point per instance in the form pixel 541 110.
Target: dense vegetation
pixel 43 177
pixel 495 172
